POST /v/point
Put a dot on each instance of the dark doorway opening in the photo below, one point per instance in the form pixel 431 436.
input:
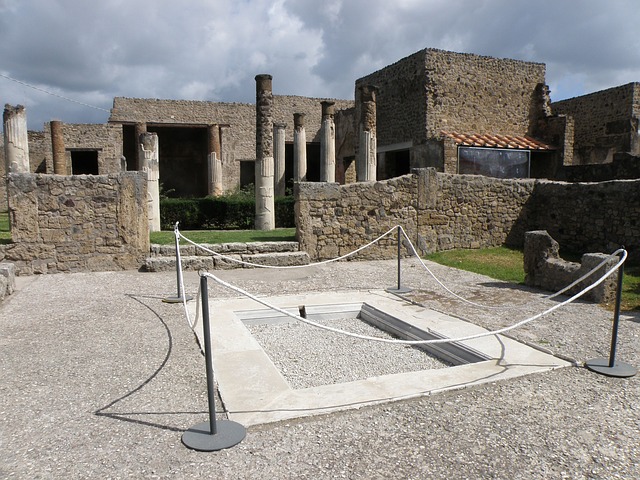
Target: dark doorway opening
pixel 130 146
pixel 247 173
pixel 183 160
pixel 84 162
pixel 396 164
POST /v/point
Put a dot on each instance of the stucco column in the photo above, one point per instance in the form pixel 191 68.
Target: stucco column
pixel 57 147
pixel 366 161
pixel 140 128
pixel 328 143
pixel 150 155
pixel 16 140
pixel 265 208
pixel 279 137
pixel 299 149
pixel 214 162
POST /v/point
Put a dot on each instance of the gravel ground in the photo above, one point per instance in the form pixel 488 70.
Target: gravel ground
pixel 324 358
pixel 98 379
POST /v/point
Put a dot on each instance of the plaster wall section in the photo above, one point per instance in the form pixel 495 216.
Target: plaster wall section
pixel 606 122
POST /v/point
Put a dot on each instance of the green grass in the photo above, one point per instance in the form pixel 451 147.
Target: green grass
pixel 226 236
pixel 501 263
pixel 5 232
pixel 506 264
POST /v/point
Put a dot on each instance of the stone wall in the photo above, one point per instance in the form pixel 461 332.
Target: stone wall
pixel 434 90
pixel 477 94
pixel 443 211
pixel 544 268
pixel 589 217
pixel 623 166
pixel 333 219
pixel 76 223
pixel 238 139
pixel 606 122
pixel 241 117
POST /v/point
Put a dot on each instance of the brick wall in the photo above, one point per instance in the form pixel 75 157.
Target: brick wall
pixel 606 122
pixel 443 211
pixel 76 223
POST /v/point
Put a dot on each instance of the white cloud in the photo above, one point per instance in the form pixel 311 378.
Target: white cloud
pixel 199 49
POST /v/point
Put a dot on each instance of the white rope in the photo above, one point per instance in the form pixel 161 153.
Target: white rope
pixel 480 305
pixel 415 253
pixel 324 262
pixel 422 342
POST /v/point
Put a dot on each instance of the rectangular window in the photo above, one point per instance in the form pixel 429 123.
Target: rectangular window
pixel 84 162
pixel 494 162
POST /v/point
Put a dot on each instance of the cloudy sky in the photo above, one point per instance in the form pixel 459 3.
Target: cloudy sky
pixel 90 51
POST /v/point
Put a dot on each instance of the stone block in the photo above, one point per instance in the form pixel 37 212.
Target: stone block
pixel 280 259
pixel 8 278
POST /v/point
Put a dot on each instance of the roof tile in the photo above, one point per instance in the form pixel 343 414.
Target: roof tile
pixel 500 141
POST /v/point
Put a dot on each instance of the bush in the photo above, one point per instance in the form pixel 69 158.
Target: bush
pixel 235 211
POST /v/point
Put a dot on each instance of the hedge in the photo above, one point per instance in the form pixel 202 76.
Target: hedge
pixel 220 213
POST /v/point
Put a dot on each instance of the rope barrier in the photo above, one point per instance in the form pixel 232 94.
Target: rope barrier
pixel 415 253
pixel 480 305
pixel 283 267
pixel 621 260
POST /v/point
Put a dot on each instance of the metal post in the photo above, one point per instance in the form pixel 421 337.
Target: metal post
pixel 609 366
pixel 400 288
pixel 212 435
pixel 178 298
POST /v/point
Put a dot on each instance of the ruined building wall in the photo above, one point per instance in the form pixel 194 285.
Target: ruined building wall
pixel 477 94
pixel 37 161
pixel 443 211
pixel 238 139
pixel 606 122
pixel 434 90
pixel 400 100
pixel 105 138
pixel 63 223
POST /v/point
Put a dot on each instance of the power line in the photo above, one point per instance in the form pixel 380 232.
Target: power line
pixel 53 94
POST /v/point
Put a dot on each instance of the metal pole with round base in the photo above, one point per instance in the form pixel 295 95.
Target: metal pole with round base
pixel 610 367
pixel 400 288
pixel 212 435
pixel 178 298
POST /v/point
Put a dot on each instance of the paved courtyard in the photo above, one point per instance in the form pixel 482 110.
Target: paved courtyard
pixel 99 379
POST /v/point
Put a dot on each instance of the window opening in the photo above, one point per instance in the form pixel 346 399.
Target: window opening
pixel 84 162
pixel 494 162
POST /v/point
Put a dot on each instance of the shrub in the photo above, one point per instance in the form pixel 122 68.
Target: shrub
pixel 235 211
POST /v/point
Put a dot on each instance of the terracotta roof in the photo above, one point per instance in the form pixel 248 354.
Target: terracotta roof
pixel 497 141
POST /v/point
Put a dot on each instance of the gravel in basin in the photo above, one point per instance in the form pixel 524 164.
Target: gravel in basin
pixel 309 356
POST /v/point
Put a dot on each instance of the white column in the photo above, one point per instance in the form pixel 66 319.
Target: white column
pixel 366 159
pixel 214 162
pixel 150 156
pixel 299 149
pixel 16 140
pixel 328 143
pixel 279 141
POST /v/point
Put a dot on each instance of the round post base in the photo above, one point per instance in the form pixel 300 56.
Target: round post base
pixel 228 434
pixel 177 299
pixel 619 369
pixel 398 290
